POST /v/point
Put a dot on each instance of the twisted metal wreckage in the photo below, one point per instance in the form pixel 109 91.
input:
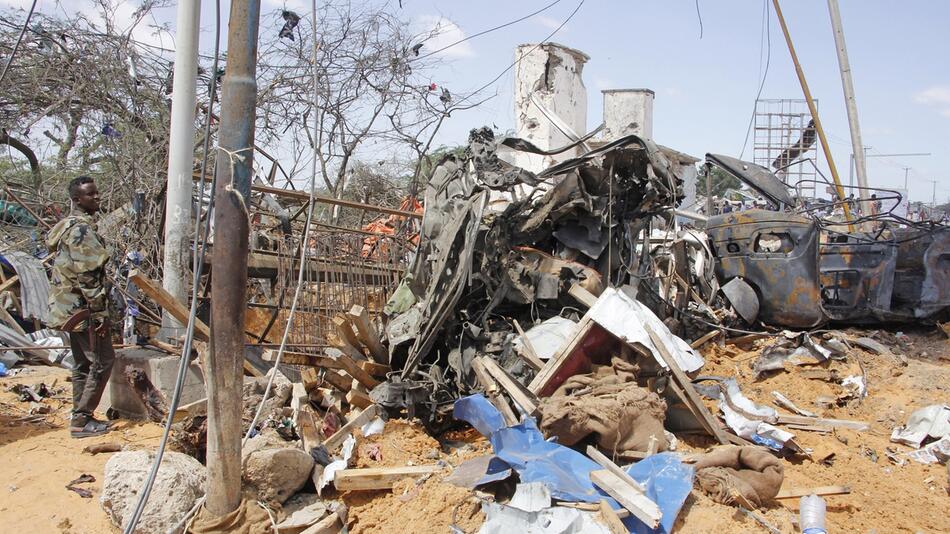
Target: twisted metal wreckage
pixel 502 247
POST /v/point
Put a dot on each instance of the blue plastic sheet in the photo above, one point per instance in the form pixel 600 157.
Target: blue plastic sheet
pixel 566 472
pixel 667 482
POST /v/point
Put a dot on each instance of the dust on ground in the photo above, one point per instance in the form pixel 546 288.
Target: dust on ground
pixel 427 506
pixel 38 459
pixel 884 497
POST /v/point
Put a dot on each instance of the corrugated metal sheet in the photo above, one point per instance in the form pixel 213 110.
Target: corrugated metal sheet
pixel 34 284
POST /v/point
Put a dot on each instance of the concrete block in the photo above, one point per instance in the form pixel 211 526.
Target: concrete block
pixel 161 369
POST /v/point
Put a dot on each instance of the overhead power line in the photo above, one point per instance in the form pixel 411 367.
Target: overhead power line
pixel 535 47
pixel 489 30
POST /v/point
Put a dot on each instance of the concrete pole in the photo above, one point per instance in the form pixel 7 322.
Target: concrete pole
pixel 180 160
pixel 229 283
pixel 857 148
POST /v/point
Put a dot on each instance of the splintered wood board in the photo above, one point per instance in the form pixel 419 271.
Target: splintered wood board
pixel 377 478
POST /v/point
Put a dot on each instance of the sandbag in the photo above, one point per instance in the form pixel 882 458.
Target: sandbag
pixel 608 404
pixel 744 476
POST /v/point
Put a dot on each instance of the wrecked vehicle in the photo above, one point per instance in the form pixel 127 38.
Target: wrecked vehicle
pixel 804 271
pixel 490 257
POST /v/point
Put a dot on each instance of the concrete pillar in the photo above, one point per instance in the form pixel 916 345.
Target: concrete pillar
pixel 551 74
pixel 628 111
pixel 181 155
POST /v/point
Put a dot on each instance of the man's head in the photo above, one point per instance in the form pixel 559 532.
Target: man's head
pixel 82 191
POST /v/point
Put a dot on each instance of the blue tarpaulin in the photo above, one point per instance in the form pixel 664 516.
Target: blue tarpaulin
pixel 566 472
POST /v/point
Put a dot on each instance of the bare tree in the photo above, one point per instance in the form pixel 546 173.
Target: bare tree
pixel 374 95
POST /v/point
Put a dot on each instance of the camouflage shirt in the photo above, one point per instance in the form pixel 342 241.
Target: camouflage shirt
pixel 79 275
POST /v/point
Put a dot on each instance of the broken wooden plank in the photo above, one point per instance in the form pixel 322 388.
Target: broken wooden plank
pixel 823 422
pixel 338 379
pixel 518 393
pixel 375 369
pixel 192 409
pixel 748 338
pixel 707 337
pixel 344 347
pixel 359 399
pixel 639 504
pixel 310 379
pixel 794 493
pixel 169 303
pixel 530 355
pixel 344 329
pixel 358 421
pixel 357 372
pixel 306 423
pixel 328 398
pixel 610 518
pixel 539 385
pixel 493 392
pixel 302 358
pixel 582 295
pixel 298 397
pixel 606 463
pixel 165 347
pixel 689 395
pixel 379 478
pixel 367 334
pixel 180 312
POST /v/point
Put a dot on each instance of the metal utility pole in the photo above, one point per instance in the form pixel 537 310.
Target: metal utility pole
pixel 906 169
pixel 813 110
pixel 229 283
pixel 180 159
pixel 848 86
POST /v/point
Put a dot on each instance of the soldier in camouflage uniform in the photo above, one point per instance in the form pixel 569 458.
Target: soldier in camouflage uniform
pixel 79 287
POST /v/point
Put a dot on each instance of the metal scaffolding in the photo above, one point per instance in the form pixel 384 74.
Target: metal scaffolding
pixel 781 124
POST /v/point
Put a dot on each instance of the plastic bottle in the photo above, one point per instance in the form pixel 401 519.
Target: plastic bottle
pixel 812 515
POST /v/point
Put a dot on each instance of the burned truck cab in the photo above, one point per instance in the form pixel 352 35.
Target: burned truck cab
pixel 776 254
pixel 805 271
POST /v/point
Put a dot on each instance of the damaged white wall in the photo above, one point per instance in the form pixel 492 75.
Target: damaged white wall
pixel 550 74
pixel 628 111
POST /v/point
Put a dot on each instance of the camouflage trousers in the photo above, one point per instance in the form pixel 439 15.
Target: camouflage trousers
pixel 94 357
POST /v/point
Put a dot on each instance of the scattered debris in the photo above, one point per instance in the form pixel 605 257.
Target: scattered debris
pixel 83 479
pixel 932 421
pixel 99 448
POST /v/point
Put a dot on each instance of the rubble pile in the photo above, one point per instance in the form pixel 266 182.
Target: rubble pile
pixel 564 355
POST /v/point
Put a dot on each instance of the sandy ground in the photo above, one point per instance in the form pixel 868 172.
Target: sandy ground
pixel 38 459
pixel 885 497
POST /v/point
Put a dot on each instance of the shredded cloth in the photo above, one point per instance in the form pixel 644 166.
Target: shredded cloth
pixel 745 476
pixel 608 404
pixel 249 518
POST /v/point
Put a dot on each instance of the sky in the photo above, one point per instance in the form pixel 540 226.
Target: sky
pixel 704 67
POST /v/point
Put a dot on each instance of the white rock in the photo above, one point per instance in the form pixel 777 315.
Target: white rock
pixel 277 473
pixel 179 484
